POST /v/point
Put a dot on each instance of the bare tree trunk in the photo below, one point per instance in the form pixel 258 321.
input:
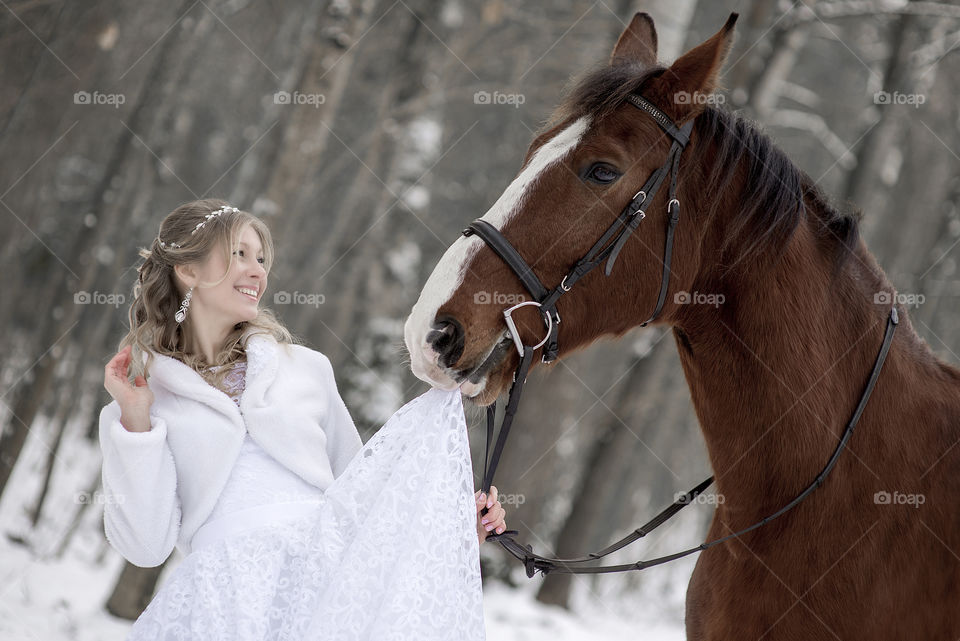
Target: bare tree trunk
pixel 587 523
pixel 133 591
pixel 864 186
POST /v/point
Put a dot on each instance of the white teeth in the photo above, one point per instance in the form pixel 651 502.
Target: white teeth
pixel 247 291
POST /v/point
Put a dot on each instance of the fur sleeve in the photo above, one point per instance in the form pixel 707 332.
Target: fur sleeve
pixel 141 514
pixel 343 440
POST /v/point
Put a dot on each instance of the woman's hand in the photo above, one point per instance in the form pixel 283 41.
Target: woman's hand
pixel 134 400
pixel 494 518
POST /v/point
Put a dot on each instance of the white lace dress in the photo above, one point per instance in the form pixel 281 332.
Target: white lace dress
pixel 388 551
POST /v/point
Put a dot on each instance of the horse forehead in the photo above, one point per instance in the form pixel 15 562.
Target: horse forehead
pixel 450 272
pixel 547 155
pixel 507 206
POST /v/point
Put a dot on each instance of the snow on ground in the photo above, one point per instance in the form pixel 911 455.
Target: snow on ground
pixel 47 596
pixel 63 599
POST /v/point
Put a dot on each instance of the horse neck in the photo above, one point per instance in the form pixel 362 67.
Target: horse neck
pixel 776 369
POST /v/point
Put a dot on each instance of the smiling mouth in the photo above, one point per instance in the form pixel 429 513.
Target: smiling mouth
pixel 248 296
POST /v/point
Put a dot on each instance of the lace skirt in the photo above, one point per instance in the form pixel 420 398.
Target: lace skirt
pixel 389 551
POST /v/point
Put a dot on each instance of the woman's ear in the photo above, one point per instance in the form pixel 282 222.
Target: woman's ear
pixel 186 274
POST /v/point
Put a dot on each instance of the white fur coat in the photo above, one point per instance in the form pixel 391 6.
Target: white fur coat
pixel 160 486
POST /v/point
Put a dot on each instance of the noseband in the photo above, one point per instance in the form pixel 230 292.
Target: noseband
pixel 607 248
pixel 619 231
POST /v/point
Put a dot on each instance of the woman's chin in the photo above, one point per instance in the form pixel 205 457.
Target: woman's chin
pixel 249 315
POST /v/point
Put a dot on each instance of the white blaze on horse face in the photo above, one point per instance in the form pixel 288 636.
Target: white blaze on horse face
pixel 449 273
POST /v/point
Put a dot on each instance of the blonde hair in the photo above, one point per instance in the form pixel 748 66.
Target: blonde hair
pixel 158 293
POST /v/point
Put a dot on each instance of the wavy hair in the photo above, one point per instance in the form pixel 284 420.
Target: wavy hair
pixel 158 292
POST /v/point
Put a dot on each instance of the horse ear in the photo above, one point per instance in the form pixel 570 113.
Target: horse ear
pixel 637 43
pixel 695 75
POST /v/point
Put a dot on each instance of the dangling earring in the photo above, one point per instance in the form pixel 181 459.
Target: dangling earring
pixel 182 312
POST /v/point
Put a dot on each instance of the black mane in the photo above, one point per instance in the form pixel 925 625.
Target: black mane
pixel 778 195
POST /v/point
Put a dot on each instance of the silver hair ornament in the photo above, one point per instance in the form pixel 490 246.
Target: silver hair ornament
pixel 223 210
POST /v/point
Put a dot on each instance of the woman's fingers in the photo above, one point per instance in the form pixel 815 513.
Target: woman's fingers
pixel 125 361
pixel 492 498
pixel 495 518
pixel 113 367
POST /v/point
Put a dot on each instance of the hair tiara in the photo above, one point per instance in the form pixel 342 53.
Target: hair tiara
pixel 223 210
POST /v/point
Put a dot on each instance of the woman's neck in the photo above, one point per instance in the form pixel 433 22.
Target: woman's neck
pixel 206 338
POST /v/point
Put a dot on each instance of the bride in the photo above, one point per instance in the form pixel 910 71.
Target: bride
pixel 232 444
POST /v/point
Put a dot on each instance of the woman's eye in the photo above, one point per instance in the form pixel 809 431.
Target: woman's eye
pixel 259 260
pixel 602 174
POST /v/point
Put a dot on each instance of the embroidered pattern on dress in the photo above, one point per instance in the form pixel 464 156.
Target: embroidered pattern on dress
pixel 257 478
pixel 350 571
pixel 235 381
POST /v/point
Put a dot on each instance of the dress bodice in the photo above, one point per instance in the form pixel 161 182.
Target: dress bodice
pixel 257 478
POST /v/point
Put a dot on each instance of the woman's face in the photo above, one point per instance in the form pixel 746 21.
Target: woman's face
pixel 235 298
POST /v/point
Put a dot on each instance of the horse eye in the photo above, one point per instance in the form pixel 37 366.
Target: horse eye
pixel 602 174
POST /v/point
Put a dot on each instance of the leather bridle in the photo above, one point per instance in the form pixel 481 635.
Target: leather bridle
pixel 607 248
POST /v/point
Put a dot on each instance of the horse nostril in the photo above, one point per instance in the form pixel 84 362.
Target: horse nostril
pixel 446 338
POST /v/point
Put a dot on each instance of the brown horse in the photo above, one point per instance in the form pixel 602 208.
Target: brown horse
pixel 778 310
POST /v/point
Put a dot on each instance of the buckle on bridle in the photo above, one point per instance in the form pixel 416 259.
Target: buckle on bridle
pixel 636 205
pixel 515 335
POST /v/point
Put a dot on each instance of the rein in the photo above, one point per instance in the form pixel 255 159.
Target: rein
pixel 607 248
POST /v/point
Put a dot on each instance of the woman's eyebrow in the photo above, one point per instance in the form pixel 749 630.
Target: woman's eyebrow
pixel 243 244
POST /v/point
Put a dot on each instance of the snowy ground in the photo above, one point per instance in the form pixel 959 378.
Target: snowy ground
pixel 63 599
pixel 48 594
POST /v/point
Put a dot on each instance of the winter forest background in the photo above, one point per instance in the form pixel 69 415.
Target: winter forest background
pixel 367 134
